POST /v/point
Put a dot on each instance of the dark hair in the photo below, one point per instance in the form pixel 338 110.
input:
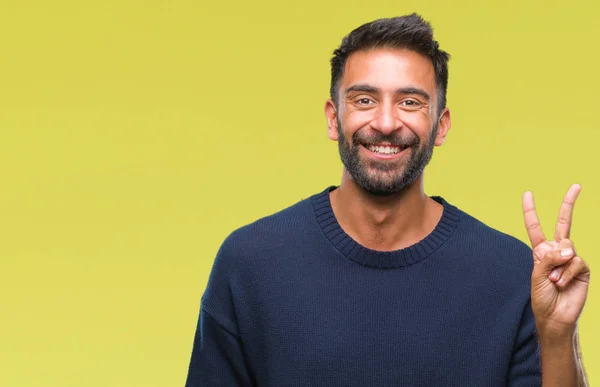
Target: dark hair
pixel 410 32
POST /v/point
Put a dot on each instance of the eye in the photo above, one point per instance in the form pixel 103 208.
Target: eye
pixel 364 101
pixel 411 104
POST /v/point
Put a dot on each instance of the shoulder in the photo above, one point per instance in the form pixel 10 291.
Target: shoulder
pixel 492 239
pixel 494 265
pixel 249 252
pixel 473 235
pixel 292 219
pixel 270 234
pixel 493 251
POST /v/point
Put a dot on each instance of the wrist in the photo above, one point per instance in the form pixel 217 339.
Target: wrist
pixel 553 335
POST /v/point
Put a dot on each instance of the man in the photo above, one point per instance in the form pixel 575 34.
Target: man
pixel 373 283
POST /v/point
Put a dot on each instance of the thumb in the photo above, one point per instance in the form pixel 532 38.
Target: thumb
pixel 564 244
pixel 553 259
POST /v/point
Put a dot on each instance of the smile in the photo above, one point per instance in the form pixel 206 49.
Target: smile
pixel 385 152
pixel 384 149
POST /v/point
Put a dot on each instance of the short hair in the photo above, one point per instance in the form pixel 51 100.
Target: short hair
pixel 410 32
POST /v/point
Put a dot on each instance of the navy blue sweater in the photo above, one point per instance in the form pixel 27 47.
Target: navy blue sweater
pixel 292 300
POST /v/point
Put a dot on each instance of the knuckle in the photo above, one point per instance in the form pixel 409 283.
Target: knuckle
pixel 552 255
pixel 566 242
pixel 569 272
pixel 533 226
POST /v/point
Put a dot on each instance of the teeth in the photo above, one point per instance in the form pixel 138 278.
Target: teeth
pixel 388 150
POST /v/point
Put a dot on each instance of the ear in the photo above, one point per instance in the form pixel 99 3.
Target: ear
pixel 332 124
pixel 443 127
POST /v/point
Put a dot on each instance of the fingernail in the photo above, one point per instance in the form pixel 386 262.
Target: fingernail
pixel 566 253
pixel 554 275
pixel 561 282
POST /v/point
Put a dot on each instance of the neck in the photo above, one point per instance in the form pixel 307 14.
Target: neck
pixel 385 223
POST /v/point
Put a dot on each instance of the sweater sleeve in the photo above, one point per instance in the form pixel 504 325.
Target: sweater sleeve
pixel 525 368
pixel 217 357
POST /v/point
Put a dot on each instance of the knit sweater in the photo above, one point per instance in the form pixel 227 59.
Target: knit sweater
pixel 292 300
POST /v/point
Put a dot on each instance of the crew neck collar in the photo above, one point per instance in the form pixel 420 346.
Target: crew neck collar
pixel 383 259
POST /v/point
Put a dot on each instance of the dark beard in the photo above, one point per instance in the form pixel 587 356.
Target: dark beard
pixel 390 178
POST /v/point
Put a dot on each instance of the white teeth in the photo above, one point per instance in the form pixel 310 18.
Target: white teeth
pixel 384 149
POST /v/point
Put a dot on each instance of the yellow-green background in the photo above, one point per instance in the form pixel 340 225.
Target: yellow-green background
pixel 135 135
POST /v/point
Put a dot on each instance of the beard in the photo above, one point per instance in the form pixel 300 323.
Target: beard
pixel 385 177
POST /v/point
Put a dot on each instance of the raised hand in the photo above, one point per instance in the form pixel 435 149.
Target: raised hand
pixel 560 278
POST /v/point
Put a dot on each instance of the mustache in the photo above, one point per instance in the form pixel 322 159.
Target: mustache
pixel 378 138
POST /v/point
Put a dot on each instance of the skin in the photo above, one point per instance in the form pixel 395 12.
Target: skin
pixel 369 105
pixel 559 288
pixel 399 220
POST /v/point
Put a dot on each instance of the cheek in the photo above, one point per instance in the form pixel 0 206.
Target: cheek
pixel 419 123
pixel 355 121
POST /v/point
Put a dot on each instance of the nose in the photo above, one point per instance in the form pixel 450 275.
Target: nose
pixel 386 120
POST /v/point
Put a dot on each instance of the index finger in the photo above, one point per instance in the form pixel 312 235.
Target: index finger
pixel 565 216
pixel 532 223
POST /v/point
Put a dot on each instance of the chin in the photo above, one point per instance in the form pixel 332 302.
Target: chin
pixel 384 191
pixel 381 188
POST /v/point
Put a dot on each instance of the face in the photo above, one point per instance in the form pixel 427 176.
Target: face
pixel 385 121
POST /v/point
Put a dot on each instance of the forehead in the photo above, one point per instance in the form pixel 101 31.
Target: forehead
pixel 389 68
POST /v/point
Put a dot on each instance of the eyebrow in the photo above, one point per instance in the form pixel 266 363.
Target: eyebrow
pixel 372 89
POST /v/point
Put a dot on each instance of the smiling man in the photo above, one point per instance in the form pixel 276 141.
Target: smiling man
pixel 374 283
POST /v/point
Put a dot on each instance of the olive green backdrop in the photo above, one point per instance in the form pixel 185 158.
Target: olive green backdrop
pixel 136 135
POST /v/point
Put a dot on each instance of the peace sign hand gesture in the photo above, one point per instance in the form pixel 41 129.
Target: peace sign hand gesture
pixel 560 278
